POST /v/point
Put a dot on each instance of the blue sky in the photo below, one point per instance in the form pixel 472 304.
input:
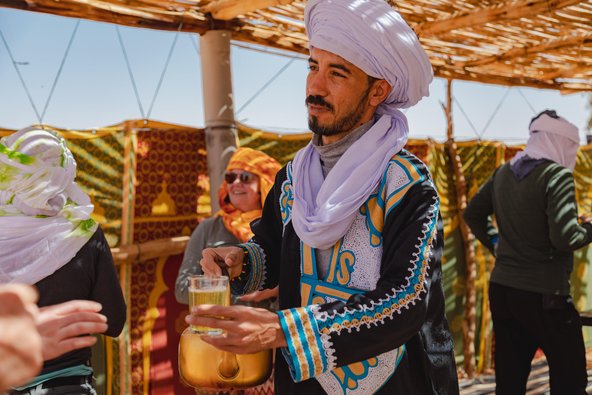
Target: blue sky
pixel 95 89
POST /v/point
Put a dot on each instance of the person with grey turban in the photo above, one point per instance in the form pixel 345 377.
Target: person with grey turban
pixel 351 230
pixel 533 198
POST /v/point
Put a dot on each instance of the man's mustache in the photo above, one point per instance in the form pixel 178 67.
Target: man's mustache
pixel 318 101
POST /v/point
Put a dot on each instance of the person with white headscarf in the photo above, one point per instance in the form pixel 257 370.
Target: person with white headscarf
pixel 534 202
pixel 49 240
pixel 351 231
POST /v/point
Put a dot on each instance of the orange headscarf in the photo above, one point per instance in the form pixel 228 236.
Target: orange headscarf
pixel 260 164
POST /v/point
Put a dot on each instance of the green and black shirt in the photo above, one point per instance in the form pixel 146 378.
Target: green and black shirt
pixel 538 227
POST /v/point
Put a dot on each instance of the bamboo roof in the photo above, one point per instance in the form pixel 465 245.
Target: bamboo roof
pixel 537 43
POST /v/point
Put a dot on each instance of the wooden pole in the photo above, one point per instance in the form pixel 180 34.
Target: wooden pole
pixel 127 237
pixel 221 134
pixel 229 9
pixel 136 253
pixel 471 270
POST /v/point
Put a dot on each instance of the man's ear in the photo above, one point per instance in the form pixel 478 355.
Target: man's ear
pixel 379 92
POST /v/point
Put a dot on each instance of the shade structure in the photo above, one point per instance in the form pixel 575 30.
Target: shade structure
pixel 536 43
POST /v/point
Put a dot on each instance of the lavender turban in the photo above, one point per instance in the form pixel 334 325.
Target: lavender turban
pixel 375 38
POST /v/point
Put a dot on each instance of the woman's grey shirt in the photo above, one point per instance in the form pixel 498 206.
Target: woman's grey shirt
pixel 211 232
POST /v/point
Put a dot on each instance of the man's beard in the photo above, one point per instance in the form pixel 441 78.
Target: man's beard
pixel 342 125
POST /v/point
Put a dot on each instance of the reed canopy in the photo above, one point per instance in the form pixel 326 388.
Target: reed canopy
pixel 536 43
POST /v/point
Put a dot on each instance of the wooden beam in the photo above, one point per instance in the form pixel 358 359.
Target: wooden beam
pixel 570 72
pixel 498 13
pixel 451 73
pixel 248 36
pixel 148 14
pixel 123 15
pixel 546 46
pixel 444 71
pixel 230 9
pixel 18 4
pixel 136 253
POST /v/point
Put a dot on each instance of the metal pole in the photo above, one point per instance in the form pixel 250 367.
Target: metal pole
pixel 221 134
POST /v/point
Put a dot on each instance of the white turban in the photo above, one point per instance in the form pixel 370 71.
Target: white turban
pixel 555 139
pixel 371 35
pixel 44 215
pixel 42 184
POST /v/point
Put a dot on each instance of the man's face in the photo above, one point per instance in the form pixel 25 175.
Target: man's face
pixel 336 94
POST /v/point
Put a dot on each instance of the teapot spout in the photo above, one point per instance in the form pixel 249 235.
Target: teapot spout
pixel 228 367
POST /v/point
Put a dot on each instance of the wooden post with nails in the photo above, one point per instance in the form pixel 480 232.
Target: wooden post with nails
pixel 469 323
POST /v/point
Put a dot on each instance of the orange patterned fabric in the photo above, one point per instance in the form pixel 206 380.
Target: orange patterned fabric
pixel 260 164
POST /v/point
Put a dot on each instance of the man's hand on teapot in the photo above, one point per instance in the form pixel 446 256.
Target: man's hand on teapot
pixel 247 329
pixel 232 257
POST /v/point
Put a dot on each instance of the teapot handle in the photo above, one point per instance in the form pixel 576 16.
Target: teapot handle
pixel 222 266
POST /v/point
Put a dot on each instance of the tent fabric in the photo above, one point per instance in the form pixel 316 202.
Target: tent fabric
pixel 144 189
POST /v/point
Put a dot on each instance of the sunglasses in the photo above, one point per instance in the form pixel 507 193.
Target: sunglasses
pixel 244 177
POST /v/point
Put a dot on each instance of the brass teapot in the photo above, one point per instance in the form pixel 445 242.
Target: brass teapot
pixel 204 367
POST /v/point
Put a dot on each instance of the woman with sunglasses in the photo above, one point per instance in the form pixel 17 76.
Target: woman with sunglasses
pixel 248 178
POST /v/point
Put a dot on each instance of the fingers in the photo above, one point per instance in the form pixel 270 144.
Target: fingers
pixel 27 293
pixel 208 262
pixel 221 317
pixel 258 296
pixel 242 344
pixel 73 306
pixel 82 317
pixel 74 324
pixel 228 312
pixel 247 329
pixel 16 369
pixel 231 256
pixel 68 338
pixel 20 343
pixel 18 299
pixel 76 343
pixel 56 317
pixel 211 322
pixel 225 344
pixel 81 328
pixel 60 327
pixel 234 257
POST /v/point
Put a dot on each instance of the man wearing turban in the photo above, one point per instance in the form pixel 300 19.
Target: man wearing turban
pixel 533 198
pixel 351 230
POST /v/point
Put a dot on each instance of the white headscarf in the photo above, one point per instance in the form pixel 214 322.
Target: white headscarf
pixel 551 138
pixel 44 215
pixel 375 38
